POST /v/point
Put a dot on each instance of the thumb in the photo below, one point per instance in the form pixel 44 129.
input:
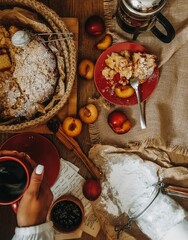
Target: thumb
pixel 36 179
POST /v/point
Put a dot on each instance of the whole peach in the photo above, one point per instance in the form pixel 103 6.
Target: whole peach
pixel 119 123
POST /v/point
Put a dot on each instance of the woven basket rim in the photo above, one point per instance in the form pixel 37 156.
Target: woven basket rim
pixel 69 52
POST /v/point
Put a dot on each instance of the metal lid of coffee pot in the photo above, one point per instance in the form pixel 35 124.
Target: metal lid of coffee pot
pixel 142 7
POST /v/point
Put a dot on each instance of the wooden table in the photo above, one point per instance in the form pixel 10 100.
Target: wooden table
pixel 81 9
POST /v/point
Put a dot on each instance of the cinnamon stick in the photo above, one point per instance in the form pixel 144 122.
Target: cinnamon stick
pixel 72 145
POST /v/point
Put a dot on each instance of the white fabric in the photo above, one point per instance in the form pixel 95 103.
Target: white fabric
pixel 40 232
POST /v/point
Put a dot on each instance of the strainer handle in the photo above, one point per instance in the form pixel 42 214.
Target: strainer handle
pixel 176 191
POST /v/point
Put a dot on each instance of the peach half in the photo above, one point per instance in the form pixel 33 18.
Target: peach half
pixel 72 126
pixel 124 91
pixel 86 69
pixel 88 113
pixel 104 43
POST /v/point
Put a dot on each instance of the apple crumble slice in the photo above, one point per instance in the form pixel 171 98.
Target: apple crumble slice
pixel 108 73
pixel 143 65
pixel 127 64
pixel 120 64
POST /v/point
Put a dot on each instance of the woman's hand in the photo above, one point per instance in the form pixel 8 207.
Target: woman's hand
pixel 36 201
pixel 19 155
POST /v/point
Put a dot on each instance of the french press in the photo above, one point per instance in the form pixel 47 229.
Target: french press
pixel 137 16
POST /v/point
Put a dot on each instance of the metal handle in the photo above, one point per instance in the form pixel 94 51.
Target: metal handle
pixel 54 33
pixel 142 120
pixel 176 191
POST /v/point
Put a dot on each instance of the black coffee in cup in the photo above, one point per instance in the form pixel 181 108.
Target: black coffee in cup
pixel 13 179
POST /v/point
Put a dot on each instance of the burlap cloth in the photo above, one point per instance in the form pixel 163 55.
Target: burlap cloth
pixel 105 156
pixel 165 140
pixel 166 110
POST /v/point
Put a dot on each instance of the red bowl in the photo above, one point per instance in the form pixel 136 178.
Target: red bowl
pixel 104 87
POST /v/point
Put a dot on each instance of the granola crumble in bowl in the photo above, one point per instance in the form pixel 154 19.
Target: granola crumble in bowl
pixel 118 64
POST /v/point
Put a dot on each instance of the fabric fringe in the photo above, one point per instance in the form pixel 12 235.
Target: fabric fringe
pixel 179 150
pixel 94 134
pixel 108 13
pixel 96 138
pixel 112 27
pixel 157 143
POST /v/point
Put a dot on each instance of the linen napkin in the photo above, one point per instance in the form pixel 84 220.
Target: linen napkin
pixel 166 109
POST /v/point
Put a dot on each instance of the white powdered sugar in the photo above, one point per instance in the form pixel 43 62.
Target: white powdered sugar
pixel 132 178
pixel 130 186
pixel 33 81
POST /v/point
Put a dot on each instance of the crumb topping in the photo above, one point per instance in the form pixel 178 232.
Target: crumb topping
pixel 127 65
pixel 32 81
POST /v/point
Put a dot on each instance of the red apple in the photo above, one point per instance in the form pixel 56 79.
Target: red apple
pixel 92 189
pixel 118 121
pixel 95 25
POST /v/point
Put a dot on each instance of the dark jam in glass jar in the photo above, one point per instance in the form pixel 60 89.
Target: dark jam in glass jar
pixel 66 216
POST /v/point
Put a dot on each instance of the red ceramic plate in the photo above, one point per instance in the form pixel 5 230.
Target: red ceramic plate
pixel 40 149
pixel 104 86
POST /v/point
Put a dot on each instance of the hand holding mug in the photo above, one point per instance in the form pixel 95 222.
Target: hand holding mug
pixel 20 155
pixel 34 205
pixel 36 197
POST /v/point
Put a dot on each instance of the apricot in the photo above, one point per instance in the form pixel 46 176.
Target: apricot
pixel 104 43
pixel 124 91
pixel 88 113
pixel 72 126
pixel 86 69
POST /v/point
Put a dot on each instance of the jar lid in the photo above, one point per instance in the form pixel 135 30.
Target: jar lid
pixel 143 7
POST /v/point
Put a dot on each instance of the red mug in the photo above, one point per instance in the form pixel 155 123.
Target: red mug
pixel 14 180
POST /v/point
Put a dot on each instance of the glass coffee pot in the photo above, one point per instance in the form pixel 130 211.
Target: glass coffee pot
pixel 137 16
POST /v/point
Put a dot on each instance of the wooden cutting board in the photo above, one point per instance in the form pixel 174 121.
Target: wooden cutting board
pixel 70 107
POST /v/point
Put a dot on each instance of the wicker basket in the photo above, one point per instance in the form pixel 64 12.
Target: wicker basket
pixel 56 24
